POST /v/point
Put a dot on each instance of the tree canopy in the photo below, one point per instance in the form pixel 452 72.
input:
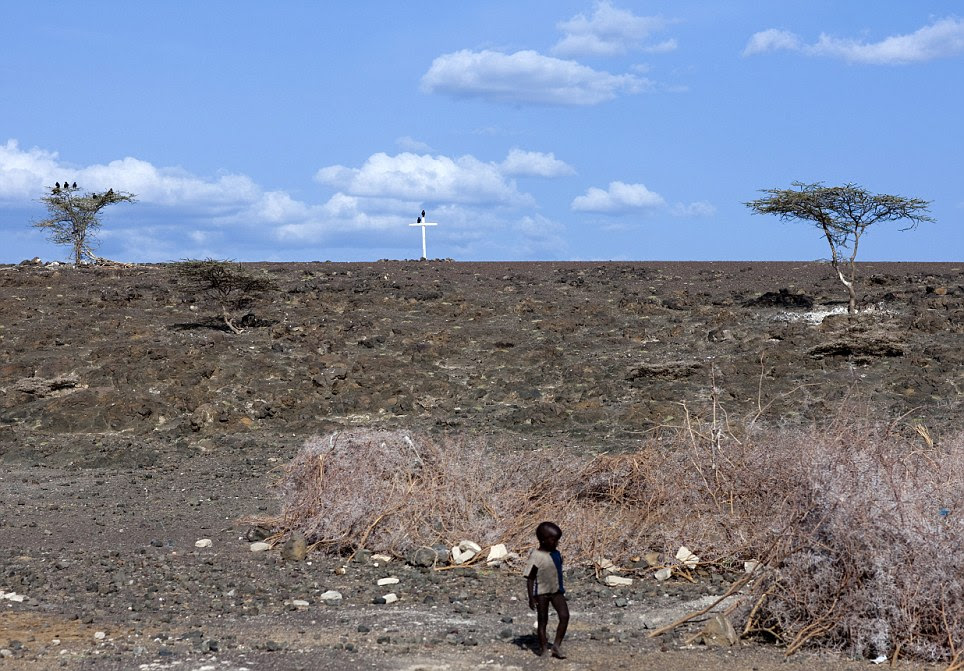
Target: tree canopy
pixel 843 214
pixel 74 216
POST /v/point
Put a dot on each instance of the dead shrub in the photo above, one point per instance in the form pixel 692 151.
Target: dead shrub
pixel 857 526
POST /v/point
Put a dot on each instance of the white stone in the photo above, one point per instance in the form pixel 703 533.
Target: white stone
pixel 472 546
pixel 387 581
pixel 260 546
pixel 617 581
pixel 664 573
pixel 299 603
pixel 391 597
pixel 203 543
pixel 13 596
pixel 331 595
pixel 460 556
pixel 687 558
pixel 604 564
pixel 497 552
pixel 751 565
pixel 381 558
pixel 100 635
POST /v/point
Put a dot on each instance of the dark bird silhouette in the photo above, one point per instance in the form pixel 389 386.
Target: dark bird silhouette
pixel 57 185
pixel 418 221
pixel 423 213
pixel 66 183
pixel 74 185
pixel 110 192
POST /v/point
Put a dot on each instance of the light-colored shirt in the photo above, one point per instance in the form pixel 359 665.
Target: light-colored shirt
pixel 548 578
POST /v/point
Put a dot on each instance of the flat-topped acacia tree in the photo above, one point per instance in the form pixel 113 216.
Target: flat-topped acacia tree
pixel 843 213
pixel 74 216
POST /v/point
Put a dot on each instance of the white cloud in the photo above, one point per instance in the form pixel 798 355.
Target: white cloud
pixel 482 213
pixel 24 174
pixel 663 47
pixel 618 198
pixel 534 164
pixel 407 143
pixel 525 77
pixel 416 178
pixel 771 40
pixel 699 208
pixel 941 39
pixel 609 31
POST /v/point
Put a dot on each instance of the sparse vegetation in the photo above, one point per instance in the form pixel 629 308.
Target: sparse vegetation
pixel 74 217
pixel 225 284
pixel 843 213
pixel 853 524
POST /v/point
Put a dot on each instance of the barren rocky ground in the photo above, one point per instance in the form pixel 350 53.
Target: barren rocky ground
pixel 132 425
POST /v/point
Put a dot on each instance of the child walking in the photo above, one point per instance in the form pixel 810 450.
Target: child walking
pixel 544 585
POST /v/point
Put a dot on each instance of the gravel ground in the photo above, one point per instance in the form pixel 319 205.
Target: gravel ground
pixel 107 563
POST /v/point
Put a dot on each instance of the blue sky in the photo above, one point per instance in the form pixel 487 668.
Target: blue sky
pixel 530 130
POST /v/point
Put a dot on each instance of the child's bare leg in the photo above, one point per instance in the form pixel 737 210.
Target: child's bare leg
pixel 562 610
pixel 542 620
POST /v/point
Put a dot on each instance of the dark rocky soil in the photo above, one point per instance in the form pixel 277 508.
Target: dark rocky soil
pixel 132 425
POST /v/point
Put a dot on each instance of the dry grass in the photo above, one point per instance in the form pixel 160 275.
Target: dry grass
pixel 858 526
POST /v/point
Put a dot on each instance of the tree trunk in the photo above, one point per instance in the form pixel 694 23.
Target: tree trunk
pixel 852 304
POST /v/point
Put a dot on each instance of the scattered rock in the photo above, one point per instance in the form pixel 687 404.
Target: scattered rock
pixel 663 573
pixel 617 581
pixel 260 546
pixel 295 548
pixel 718 631
pixel 203 543
pixel 460 556
pixel 387 581
pixel 425 557
pixel 497 553
pixel 257 533
pixel 686 557
pixel 331 596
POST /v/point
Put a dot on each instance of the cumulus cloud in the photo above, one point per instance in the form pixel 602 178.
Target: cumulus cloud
pixel 416 177
pixel 534 164
pixel 609 31
pixel 25 173
pixel 941 39
pixel 618 198
pixel 482 212
pixel 525 77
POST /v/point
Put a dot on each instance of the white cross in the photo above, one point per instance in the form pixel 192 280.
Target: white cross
pixel 423 224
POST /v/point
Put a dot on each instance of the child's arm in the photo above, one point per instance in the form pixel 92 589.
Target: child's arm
pixel 531 587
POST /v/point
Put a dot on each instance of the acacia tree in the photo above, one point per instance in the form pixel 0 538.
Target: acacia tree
pixel 843 213
pixel 227 285
pixel 74 216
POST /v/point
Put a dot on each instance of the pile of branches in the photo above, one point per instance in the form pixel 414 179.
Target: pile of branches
pixel 394 491
pixel 856 527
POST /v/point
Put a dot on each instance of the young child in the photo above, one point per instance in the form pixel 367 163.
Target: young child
pixel 543 575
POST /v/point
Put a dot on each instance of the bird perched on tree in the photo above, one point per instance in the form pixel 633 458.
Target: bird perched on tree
pixel 110 192
pixel 418 221
pixel 74 185
pixel 56 186
pixel 423 214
